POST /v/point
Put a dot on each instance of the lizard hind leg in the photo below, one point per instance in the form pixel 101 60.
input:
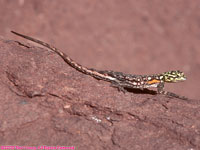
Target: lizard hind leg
pixel 118 86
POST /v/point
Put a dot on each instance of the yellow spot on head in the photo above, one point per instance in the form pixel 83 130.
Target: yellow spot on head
pixel 174 76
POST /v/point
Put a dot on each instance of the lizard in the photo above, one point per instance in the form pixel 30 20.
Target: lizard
pixel 120 80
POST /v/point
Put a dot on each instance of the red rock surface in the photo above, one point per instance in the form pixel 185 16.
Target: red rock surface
pixel 45 102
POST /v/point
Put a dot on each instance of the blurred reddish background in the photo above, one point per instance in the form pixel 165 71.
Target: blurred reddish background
pixel 136 37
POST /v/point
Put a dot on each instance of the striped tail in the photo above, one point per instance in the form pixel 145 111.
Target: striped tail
pixel 68 60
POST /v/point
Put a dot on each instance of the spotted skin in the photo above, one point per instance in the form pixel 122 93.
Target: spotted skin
pixel 118 79
pixel 145 81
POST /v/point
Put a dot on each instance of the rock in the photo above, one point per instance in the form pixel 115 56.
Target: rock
pixel 43 101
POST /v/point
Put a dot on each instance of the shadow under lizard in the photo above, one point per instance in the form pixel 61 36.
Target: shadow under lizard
pixel 121 80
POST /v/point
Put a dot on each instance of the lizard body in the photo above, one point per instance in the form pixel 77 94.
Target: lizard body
pixel 119 79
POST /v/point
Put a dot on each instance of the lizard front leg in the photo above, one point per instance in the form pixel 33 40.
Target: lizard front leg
pixel 160 88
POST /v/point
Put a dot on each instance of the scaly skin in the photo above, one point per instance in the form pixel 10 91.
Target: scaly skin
pixel 118 79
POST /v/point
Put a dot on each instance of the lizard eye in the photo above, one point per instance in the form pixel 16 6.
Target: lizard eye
pixel 174 76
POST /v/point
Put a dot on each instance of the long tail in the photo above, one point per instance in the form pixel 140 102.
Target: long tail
pixel 68 60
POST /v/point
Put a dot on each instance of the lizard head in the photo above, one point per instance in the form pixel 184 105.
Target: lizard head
pixel 174 76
